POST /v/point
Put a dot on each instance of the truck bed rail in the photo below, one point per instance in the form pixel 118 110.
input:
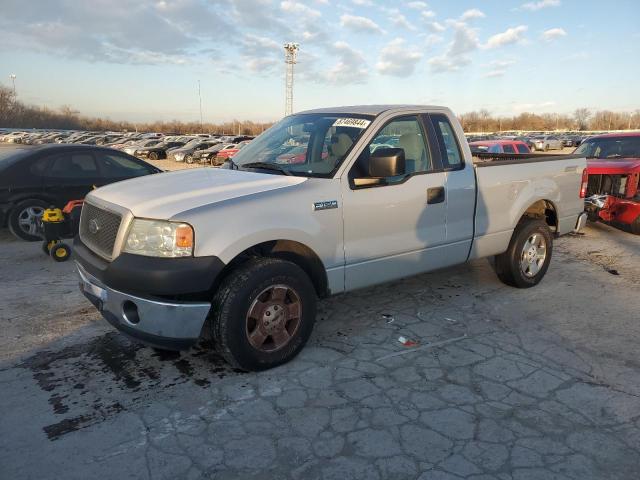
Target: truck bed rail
pixel 485 159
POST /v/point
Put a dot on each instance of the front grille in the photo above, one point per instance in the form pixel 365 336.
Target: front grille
pixel 98 229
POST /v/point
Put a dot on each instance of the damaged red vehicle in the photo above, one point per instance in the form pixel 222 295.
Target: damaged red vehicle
pixel 613 168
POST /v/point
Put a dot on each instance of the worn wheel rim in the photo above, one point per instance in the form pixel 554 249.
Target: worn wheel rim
pixel 28 219
pixel 273 318
pixel 534 253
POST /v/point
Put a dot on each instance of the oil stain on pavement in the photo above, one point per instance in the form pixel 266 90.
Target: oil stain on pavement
pixel 89 383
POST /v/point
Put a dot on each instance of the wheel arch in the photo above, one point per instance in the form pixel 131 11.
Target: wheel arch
pixel 544 210
pixel 290 250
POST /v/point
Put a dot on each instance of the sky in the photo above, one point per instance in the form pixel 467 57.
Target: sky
pixel 141 60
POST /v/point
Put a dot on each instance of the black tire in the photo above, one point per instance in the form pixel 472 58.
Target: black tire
pixel 546 147
pixel 635 226
pixel 18 212
pixel 236 295
pixel 46 246
pixel 153 156
pixel 508 264
pixel 60 252
pixel 188 159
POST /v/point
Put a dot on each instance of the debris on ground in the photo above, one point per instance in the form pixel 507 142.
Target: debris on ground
pixel 388 317
pixel 407 342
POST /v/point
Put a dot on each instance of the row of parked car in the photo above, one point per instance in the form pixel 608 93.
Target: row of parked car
pixel 197 148
pixel 534 142
pixel 212 150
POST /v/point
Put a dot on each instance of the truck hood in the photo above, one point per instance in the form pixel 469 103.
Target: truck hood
pixel 619 166
pixel 166 195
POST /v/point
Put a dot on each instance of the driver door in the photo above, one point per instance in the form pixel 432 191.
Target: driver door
pixel 394 228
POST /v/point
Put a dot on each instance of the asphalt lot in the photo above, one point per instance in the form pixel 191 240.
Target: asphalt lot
pixel 503 383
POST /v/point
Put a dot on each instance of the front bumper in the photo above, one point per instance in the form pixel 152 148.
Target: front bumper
pixel 168 325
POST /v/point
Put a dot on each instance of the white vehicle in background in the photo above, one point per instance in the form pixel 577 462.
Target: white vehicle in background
pixel 242 253
pixel 15 137
pixel 547 142
pixel 131 149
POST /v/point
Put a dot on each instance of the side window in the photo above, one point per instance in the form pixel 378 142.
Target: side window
pixel 449 148
pixel 522 148
pixel 508 148
pixel 74 165
pixel 39 167
pixel 119 166
pixel 405 133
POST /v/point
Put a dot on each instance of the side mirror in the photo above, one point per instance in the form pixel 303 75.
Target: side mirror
pixel 387 162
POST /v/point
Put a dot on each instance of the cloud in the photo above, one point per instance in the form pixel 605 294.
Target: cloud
pixel 398 60
pixel 417 5
pixel 508 37
pixel 465 41
pixel 533 6
pixel 260 54
pixel 498 68
pixel 399 20
pixel 443 63
pixel 471 14
pixel 351 67
pixel 436 27
pixel 299 8
pixel 553 34
pixel 360 24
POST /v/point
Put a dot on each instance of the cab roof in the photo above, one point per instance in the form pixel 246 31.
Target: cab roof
pixel 372 109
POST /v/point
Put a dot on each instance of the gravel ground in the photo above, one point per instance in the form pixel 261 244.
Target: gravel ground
pixel 503 383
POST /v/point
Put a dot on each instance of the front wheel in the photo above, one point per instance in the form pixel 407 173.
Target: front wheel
pixel 153 156
pixel 188 159
pixel 263 314
pixel 25 217
pixel 527 259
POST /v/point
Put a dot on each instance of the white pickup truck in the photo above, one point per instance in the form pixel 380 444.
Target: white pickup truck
pixel 324 202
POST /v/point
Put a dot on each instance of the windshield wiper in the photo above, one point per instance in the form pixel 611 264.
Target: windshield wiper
pixel 267 166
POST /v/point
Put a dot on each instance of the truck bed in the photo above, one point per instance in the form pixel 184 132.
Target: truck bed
pixel 516 182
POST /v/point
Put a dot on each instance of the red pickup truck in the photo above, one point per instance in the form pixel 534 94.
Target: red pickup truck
pixel 613 169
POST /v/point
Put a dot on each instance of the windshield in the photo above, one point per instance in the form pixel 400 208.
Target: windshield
pixel 321 142
pixel 610 147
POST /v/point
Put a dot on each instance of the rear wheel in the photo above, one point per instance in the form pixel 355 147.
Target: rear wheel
pixel 60 252
pixel 263 314
pixel 527 259
pixel 24 219
pixel 153 156
pixel 546 147
pixel 635 226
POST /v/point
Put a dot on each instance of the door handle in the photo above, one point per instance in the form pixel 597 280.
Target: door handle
pixel 435 195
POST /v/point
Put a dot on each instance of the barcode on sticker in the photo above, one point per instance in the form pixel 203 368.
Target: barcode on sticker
pixel 352 122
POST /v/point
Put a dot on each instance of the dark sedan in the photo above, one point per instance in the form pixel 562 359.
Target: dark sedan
pixel 32 179
pixel 158 151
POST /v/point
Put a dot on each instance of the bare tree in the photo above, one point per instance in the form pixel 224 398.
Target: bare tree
pixel 581 116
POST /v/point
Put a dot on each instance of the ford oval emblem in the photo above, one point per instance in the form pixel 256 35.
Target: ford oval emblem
pixel 94 226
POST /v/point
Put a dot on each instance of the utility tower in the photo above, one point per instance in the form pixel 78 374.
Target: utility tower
pixel 290 59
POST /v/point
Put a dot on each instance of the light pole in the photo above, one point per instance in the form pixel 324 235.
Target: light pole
pixel 200 97
pixel 13 79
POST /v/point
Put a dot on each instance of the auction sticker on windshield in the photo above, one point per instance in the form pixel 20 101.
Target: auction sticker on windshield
pixel 352 122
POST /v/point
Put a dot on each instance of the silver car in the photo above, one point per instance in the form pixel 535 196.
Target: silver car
pixel 547 142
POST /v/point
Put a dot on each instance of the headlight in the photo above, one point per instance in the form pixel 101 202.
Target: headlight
pixel 159 238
